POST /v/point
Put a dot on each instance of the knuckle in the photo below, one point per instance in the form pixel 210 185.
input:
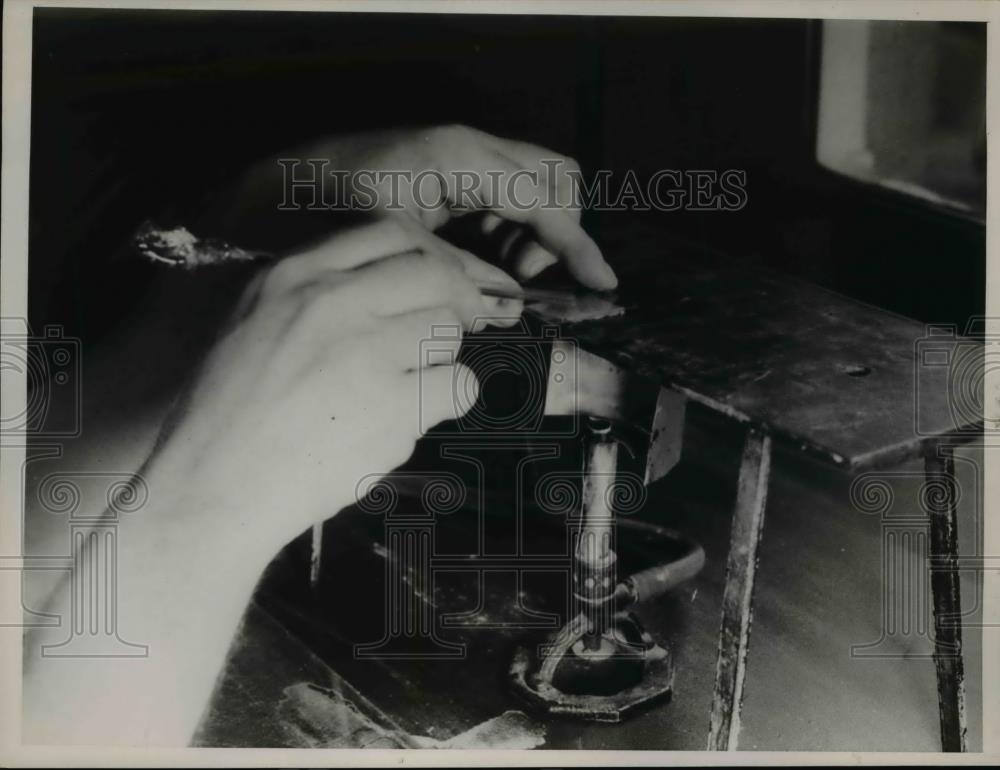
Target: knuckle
pixel 427 263
pixel 321 305
pixel 280 277
pixel 313 308
pixel 389 226
pixel 438 265
pixel 408 266
pixel 452 136
pixel 463 288
pixel 456 130
pixel 443 133
pixel 381 229
pixel 254 291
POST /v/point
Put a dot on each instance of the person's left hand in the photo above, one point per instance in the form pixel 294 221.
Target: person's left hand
pixel 452 170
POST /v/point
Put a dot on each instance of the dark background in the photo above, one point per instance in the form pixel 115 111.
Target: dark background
pixel 135 111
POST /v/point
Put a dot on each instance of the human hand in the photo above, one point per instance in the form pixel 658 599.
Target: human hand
pixel 534 187
pixel 316 384
pixel 318 381
pixel 434 174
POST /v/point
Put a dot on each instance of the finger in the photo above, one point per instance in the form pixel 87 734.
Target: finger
pixel 562 188
pixel 354 302
pixel 561 236
pixel 490 222
pixel 419 340
pixel 518 197
pixel 559 172
pixel 479 270
pixel 518 251
pixel 413 281
pixel 558 233
pixel 507 238
pixel 501 311
pixel 531 259
pixel 345 250
pixel 392 237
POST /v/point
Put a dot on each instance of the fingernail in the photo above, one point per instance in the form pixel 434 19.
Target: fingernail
pixel 606 276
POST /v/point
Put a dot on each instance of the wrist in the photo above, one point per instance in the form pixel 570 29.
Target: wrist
pixel 199 523
pixel 233 504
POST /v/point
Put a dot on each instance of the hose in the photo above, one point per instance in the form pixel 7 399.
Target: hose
pixel 657 580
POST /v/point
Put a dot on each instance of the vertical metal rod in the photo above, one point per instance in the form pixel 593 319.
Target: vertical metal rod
pixel 737 597
pixel 941 501
pixel 599 475
pixel 594 557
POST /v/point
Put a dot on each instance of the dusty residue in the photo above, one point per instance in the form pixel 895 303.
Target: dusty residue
pixel 314 717
pixel 588 307
pixel 510 730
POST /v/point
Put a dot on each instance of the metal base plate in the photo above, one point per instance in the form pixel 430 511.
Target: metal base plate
pixel 655 685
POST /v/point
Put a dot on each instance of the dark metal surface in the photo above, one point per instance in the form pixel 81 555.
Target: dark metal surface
pixel 848 382
pixel 837 377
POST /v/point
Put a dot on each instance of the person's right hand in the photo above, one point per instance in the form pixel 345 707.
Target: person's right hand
pixel 318 382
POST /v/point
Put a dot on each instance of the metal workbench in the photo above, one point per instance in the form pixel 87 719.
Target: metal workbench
pixel 851 384
pixel 786 362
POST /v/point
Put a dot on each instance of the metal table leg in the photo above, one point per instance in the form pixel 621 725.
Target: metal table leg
pixel 940 496
pixel 737 598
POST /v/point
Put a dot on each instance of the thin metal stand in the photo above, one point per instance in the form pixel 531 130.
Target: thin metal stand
pixel 737 598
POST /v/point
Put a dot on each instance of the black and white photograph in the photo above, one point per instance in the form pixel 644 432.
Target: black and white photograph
pixel 577 379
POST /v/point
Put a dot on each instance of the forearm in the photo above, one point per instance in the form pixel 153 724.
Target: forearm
pixel 181 591
pixel 310 389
